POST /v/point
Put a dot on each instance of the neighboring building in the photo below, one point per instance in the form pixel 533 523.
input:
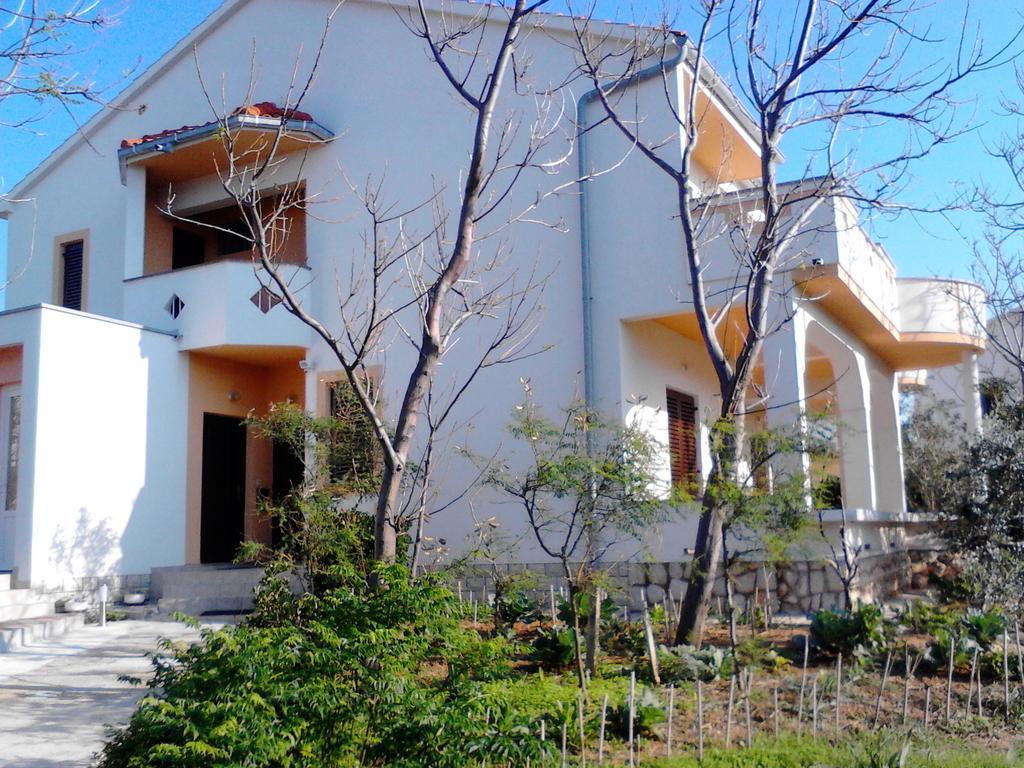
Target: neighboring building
pixel 133 344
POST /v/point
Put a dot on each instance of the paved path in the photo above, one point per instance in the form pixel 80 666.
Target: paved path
pixel 57 696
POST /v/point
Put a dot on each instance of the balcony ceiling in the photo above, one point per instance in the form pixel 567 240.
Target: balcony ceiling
pixel 192 152
pixel 834 290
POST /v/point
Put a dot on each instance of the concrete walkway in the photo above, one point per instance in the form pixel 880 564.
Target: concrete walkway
pixel 57 696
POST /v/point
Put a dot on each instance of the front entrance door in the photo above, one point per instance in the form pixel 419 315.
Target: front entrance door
pixel 223 502
pixel 10 442
pixel 289 472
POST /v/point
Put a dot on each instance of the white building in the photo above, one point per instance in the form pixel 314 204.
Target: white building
pixel 128 353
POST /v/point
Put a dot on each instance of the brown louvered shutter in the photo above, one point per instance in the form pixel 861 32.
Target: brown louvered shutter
pixel 682 436
pixel 71 285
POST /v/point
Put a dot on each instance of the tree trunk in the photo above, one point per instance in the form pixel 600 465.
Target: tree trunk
pixel 709 544
pixel 700 587
pixel 385 532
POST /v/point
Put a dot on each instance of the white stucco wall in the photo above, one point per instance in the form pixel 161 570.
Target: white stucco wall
pixel 103 449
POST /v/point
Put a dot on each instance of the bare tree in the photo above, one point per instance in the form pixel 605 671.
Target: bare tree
pixel 827 71
pixel 39 45
pixel 428 287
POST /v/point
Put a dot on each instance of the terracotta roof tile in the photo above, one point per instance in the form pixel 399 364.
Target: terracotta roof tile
pixel 261 109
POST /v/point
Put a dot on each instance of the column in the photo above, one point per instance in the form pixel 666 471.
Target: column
pixel 784 357
pixel 970 391
pixel 134 222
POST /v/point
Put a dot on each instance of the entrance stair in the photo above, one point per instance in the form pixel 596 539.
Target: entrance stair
pixel 26 616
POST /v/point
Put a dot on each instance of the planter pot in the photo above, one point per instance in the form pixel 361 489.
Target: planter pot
pixel 134 598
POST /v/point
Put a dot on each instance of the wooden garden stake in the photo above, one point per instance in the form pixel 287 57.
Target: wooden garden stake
pixel 881 688
pixel 476 609
pixel 1006 673
pixel 927 706
pixel 652 646
pixel 767 598
pixel 746 706
pixel 460 592
pixel 839 690
pixel 600 733
pixel 803 685
pixel 728 711
pixel 775 699
pixel 671 711
pixel 970 681
pixel 543 735
pixel 981 712
pixel 1020 661
pixel 632 714
pixel 949 681
pixel 700 721
pixel 814 706
pixel 565 743
pixel 583 741
pixel 554 612
pixel 906 687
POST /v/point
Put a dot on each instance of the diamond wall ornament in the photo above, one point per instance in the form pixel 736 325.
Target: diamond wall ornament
pixel 174 306
pixel 265 299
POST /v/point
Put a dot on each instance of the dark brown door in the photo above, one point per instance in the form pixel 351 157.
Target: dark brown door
pixel 289 472
pixel 223 504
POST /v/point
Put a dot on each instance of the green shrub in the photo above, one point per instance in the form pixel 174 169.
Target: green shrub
pixel 649 713
pixel 354 676
pixel 684 663
pixel 924 618
pixel 861 629
pixel 985 628
pixel 515 607
pixel 555 648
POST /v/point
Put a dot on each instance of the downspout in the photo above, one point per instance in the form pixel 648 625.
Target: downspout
pixel 586 274
pixel 585 265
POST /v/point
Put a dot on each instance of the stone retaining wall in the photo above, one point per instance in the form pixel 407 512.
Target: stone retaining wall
pixel 799 587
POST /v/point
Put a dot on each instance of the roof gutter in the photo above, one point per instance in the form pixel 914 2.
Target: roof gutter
pixel 586 270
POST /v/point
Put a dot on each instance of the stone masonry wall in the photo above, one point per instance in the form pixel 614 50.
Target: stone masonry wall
pixel 799 587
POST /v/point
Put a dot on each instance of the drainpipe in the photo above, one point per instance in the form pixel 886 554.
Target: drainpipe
pixel 643 75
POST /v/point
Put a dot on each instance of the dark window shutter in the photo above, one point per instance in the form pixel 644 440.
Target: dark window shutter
pixel 682 436
pixel 71 282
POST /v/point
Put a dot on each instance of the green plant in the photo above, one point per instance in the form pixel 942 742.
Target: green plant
pixel 984 627
pixel 844 632
pixel 555 647
pixel 684 663
pixel 649 712
pixel 352 676
pixel 515 606
pixel 925 618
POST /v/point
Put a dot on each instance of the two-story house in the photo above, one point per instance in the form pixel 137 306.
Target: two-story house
pixel 133 343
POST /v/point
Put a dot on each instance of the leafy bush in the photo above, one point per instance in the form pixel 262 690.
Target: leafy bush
pixel 355 676
pixel 985 628
pixel 555 647
pixel 650 712
pixel 684 663
pixel 514 607
pixel 862 628
pixel 924 618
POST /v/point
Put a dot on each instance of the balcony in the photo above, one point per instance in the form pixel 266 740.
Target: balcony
pixel 216 307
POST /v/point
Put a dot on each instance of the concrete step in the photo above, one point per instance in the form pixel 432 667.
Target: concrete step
pixel 197 606
pixel 18 634
pixel 26 610
pixel 5 580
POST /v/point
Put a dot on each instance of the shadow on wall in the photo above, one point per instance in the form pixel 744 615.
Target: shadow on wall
pixel 88 548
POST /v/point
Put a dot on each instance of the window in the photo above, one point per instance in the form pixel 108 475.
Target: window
pixel 72 260
pixel 682 436
pixel 353 458
pixel 187 248
pixel 13 433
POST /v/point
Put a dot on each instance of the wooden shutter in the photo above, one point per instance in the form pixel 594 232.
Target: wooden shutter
pixel 71 281
pixel 682 436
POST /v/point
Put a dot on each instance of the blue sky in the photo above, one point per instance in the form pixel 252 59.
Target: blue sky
pixel 921 245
